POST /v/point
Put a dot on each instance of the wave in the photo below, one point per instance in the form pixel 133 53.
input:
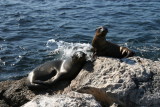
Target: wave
pixel 65 49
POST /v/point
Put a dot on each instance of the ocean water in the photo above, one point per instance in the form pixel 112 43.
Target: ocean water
pixel 35 31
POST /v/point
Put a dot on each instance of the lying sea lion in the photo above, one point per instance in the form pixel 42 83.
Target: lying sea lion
pixel 101 47
pixel 53 71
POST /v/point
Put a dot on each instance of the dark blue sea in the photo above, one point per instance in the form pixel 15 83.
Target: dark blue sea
pixel 35 31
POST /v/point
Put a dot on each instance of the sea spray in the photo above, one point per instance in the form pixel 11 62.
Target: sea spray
pixel 65 49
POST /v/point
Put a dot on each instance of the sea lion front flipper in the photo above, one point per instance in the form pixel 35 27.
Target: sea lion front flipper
pixel 50 76
pixel 55 78
pixel 39 82
pixel 94 54
pixel 50 81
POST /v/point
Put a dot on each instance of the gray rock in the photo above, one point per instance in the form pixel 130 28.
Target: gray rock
pixel 3 104
pixel 71 99
pixel 14 93
pixel 132 82
pixel 127 82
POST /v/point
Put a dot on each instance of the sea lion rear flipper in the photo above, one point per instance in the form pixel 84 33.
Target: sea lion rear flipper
pixel 125 52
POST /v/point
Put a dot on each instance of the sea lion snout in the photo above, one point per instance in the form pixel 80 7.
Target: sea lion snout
pixel 101 31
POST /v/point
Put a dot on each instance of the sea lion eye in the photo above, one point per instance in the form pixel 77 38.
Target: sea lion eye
pixel 101 29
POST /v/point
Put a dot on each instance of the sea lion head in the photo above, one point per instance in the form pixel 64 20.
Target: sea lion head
pixel 101 31
pixel 79 56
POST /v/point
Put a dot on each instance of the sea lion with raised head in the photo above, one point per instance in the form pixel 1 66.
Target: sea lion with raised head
pixel 53 71
pixel 101 47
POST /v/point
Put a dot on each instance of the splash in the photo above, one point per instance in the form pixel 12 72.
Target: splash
pixel 66 49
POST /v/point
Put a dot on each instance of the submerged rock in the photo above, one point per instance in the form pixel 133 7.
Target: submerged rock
pixel 130 82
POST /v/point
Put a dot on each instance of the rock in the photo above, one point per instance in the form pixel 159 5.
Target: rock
pixel 131 82
pixel 71 99
pixel 127 82
pixel 3 104
pixel 15 93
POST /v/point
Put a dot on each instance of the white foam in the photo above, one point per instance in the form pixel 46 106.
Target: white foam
pixel 79 54
pixel 2 63
pixel 66 49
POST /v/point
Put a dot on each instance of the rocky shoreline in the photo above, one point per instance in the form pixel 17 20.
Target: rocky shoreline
pixel 131 82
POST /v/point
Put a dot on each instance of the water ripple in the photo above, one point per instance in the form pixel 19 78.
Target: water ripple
pixel 27 25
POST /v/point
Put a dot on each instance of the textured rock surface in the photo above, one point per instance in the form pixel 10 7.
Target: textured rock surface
pixel 132 82
pixel 71 99
pixel 127 82
pixel 15 93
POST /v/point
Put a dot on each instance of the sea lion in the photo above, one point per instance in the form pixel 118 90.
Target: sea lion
pixel 53 71
pixel 101 47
